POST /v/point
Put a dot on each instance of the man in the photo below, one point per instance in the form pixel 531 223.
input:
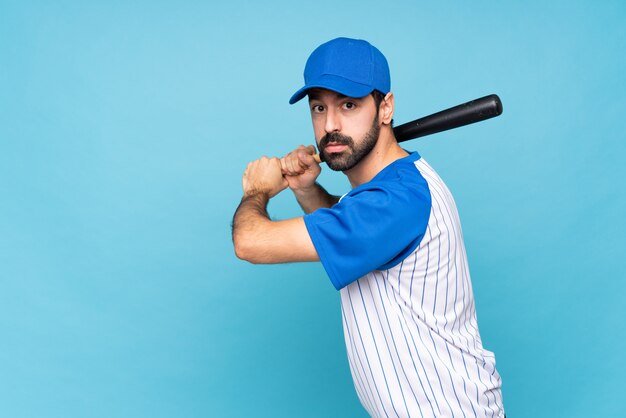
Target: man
pixel 393 245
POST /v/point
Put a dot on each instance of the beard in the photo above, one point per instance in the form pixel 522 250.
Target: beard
pixel 342 161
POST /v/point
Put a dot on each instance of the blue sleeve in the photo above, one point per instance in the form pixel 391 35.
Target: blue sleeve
pixel 372 228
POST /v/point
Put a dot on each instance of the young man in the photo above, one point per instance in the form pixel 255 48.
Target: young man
pixel 393 245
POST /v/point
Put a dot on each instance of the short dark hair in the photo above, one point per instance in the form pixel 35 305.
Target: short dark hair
pixel 379 96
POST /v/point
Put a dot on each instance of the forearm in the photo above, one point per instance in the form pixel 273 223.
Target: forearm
pixel 258 239
pixel 248 221
pixel 314 198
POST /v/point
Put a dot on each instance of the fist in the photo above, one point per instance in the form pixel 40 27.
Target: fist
pixel 300 168
pixel 264 176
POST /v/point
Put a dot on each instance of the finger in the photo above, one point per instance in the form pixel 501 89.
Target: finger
pixel 275 161
pixel 288 163
pixel 247 170
pixel 292 163
pixel 306 160
pixel 283 165
pixel 303 160
pixel 294 166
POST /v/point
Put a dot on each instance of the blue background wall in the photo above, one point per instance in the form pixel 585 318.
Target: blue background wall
pixel 125 128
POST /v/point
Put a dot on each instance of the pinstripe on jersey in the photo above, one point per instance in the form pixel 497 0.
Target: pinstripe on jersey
pixel 411 333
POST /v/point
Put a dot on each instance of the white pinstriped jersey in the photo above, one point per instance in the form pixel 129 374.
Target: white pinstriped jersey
pixel 411 334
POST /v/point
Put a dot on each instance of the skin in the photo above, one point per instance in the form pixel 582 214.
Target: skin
pixel 258 239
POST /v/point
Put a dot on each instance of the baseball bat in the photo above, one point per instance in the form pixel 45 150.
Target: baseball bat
pixel 464 114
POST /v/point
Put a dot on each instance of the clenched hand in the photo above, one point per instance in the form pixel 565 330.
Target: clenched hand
pixel 300 168
pixel 264 176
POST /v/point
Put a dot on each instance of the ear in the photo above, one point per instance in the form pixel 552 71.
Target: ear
pixel 386 109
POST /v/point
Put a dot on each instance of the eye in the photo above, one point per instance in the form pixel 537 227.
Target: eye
pixel 317 108
pixel 349 105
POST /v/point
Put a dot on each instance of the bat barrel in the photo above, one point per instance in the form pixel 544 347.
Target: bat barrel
pixel 464 114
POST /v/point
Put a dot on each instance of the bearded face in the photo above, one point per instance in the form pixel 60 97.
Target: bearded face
pixel 350 157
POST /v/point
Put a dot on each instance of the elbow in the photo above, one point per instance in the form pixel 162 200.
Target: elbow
pixel 243 254
pixel 245 250
pixel 241 251
pixel 253 245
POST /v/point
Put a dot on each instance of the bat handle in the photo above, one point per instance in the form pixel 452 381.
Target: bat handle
pixel 317 158
pixel 464 114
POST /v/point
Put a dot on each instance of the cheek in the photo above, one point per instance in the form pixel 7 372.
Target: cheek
pixel 359 126
pixel 318 129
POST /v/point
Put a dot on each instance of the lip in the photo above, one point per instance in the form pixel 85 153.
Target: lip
pixel 335 148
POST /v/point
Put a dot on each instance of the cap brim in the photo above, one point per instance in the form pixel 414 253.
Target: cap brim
pixel 297 96
pixel 336 84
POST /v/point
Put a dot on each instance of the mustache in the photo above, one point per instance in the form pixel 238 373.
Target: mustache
pixel 335 138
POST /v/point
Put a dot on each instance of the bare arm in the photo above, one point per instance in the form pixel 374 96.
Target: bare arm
pixel 301 170
pixel 256 237
pixel 313 198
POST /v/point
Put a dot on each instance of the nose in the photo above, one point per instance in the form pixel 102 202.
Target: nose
pixel 332 121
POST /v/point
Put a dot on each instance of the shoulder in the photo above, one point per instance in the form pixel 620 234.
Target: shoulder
pixel 399 180
pixel 375 225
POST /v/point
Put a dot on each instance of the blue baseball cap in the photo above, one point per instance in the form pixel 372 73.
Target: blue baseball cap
pixel 351 67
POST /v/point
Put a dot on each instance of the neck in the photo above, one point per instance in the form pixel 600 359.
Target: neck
pixel 384 153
